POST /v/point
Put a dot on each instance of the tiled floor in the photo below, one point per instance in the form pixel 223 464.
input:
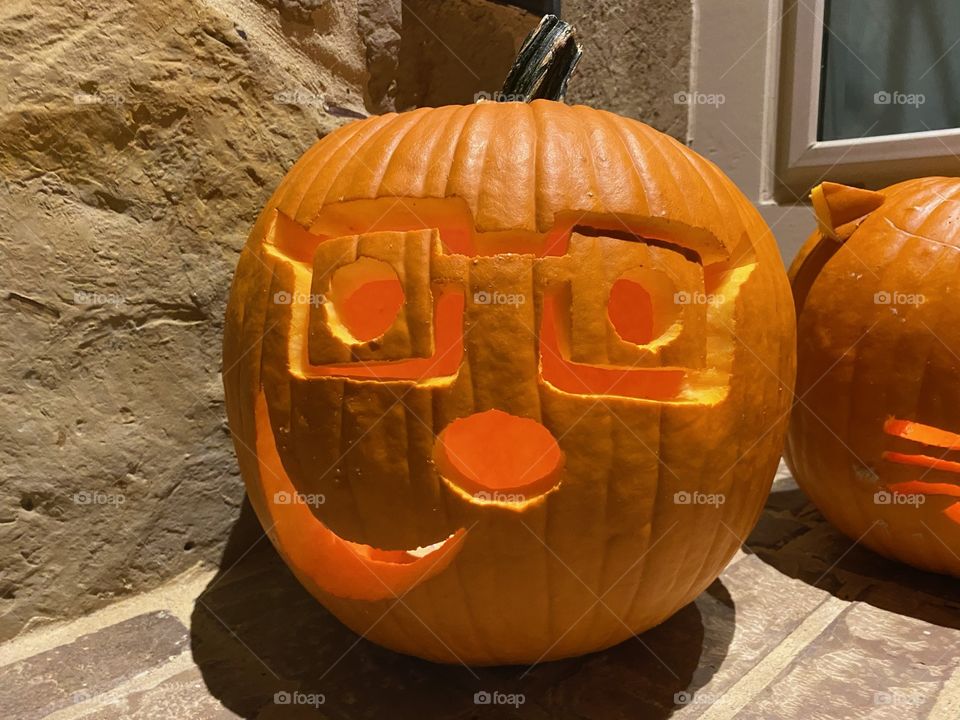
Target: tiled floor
pixel 802 625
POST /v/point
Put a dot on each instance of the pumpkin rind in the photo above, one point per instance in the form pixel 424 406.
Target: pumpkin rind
pixel 607 552
pixel 878 342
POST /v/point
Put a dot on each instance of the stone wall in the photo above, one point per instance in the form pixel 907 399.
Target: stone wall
pixel 138 141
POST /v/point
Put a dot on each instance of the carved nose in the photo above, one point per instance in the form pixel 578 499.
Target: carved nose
pixel 492 453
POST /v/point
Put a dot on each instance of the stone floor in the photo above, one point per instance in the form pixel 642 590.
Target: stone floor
pixel 802 624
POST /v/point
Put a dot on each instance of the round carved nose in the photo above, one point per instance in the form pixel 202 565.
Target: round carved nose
pixel 493 454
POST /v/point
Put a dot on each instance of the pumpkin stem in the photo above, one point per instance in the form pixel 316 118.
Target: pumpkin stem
pixel 546 60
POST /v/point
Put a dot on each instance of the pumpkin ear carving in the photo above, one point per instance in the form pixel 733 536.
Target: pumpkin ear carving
pixel 840 208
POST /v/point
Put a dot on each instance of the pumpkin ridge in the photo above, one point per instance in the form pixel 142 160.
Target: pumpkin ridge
pixel 389 149
pixel 625 159
pixel 362 168
pixel 292 188
pixel 308 189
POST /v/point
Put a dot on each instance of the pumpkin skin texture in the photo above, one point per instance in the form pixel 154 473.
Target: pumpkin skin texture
pixel 501 459
pixel 872 437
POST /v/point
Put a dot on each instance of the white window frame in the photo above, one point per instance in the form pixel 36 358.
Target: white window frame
pixel 763 58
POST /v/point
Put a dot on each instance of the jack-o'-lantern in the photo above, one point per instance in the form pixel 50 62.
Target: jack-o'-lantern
pixel 508 381
pixel 875 434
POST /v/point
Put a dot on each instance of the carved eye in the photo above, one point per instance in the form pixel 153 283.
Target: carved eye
pixel 642 305
pixel 367 313
pixel 367 297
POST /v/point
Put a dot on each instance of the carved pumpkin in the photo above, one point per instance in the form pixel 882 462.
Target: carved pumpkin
pixel 480 362
pixel 875 434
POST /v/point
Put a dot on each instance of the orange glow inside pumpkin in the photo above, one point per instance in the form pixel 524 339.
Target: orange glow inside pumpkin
pixel 924 434
pixel 460 235
pixel 932 436
pixel 640 288
pixel 368 296
pixel 631 311
pixel 320 557
pixel 445 361
pixel 642 305
pixel 499 452
pixel 582 379
pixel 922 461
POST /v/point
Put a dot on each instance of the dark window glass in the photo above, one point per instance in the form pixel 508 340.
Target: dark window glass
pixel 889 67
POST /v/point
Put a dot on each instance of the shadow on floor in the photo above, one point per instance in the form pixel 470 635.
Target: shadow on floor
pixel 793 537
pixel 256 632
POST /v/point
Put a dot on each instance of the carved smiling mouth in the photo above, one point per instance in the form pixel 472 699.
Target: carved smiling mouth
pixel 322 559
pixel 932 437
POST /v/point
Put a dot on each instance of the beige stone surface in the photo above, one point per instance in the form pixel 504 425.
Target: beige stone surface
pixel 636 59
pixel 424 52
pixel 868 664
pixel 138 142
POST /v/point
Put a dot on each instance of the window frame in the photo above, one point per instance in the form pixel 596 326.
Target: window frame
pixel 763 58
pixel 803 158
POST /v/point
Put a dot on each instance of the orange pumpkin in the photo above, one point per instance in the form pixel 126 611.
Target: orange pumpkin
pixel 508 381
pixel 875 434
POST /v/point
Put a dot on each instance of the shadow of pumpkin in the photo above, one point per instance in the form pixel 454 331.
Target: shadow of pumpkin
pixel 795 539
pixel 256 634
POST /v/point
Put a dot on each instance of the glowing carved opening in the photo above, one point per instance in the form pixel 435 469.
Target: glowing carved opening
pixel 453 219
pixel 460 236
pixel 444 363
pixel 925 435
pixel 922 461
pixel 582 379
pixel 367 296
pixel 631 311
pixel 494 452
pixel 643 305
pixel 319 557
